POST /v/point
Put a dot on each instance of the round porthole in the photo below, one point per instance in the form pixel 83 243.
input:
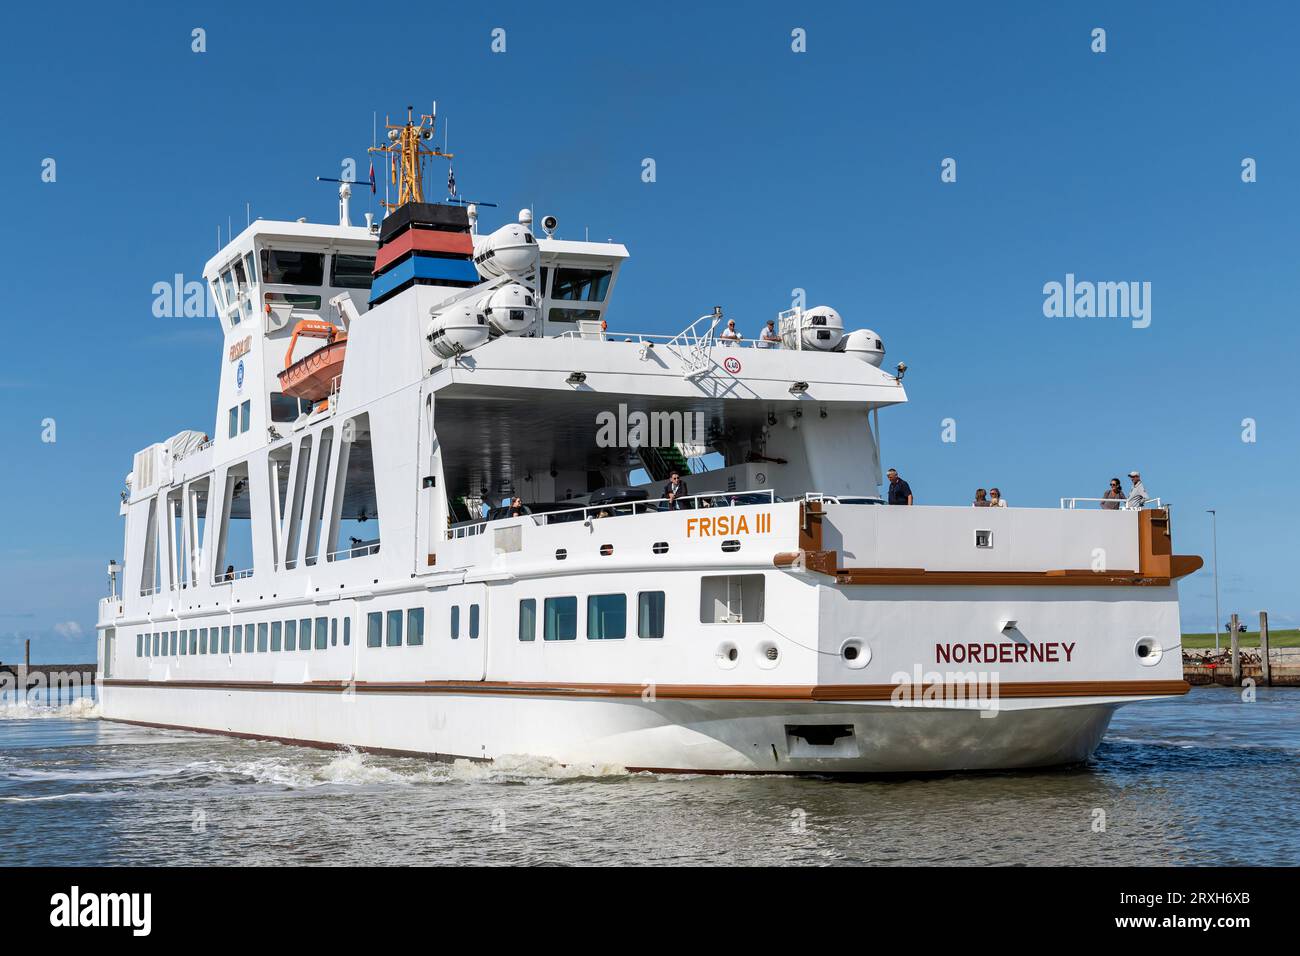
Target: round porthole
pixel 1148 652
pixel 855 653
pixel 767 655
pixel 728 655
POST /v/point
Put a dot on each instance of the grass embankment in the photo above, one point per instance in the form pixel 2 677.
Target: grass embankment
pixel 1276 638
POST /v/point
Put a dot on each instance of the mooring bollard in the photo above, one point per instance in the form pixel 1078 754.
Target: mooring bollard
pixel 1265 671
pixel 1236 651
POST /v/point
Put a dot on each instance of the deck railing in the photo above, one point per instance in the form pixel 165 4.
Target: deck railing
pixel 360 551
pixel 706 499
pixel 1110 504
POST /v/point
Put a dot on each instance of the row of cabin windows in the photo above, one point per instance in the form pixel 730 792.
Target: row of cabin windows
pixel 606 617
pixel 267 636
pixel 384 628
pixel 239 416
pixel 292 267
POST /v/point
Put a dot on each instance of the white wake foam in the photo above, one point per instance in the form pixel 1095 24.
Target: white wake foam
pixel 83 708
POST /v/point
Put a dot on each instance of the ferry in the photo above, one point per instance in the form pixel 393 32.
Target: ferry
pixel 410 530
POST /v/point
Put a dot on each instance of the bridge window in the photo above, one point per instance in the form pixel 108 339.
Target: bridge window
pixel 351 272
pixel 262 631
pixel 292 267
pixel 394 628
pixel 560 619
pixel 374 629
pixel 455 622
pixel 290 635
pixel 415 627
pixel 473 622
pixel 347 631
pixel 580 285
pixel 322 633
pixel 275 635
pixel 304 634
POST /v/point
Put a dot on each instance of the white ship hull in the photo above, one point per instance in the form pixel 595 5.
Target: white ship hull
pixel 685 736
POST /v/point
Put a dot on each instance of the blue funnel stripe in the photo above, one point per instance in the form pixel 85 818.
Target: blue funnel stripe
pixel 459 271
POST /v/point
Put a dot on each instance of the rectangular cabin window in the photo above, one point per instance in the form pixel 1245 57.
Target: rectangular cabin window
pixel 194 640
pixel 185 643
pixel 394 628
pixel 225 639
pixel 234 422
pixel 292 267
pixel 203 640
pixel 528 619
pixel 174 647
pixel 473 622
pixel 303 301
pixel 455 622
pixel 237 639
pixel 157 644
pixel 334 632
pixel 351 272
pixel 263 633
pixel 560 619
pixel 580 285
pixel 245 408
pixel 287 409
pixel 415 627
pixel 290 635
pixel 322 633
pixel 139 645
pixel 374 629
pixel 650 614
pixel 275 636
pixel 304 634
pixel 731 599
pixel 347 631
pixel 606 617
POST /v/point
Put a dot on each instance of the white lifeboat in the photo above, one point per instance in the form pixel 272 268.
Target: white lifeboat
pixel 866 346
pixel 819 328
pixel 456 330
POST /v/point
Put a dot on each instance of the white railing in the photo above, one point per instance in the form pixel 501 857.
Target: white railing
pixel 360 551
pixel 1111 504
pixel 466 530
pixel 707 499
pixel 645 338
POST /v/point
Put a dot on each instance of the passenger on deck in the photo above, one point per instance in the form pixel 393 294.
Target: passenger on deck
pixel 1110 501
pixel 517 508
pixel 900 492
pixel 674 491
pixel 981 498
pixel 768 339
pixel 1138 496
pixel 230 573
pixel 995 499
pixel 729 335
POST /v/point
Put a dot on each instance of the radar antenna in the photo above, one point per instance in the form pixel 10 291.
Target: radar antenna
pixel 407 152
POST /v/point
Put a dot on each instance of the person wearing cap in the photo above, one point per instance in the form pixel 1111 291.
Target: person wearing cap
pixel 768 339
pixel 1138 495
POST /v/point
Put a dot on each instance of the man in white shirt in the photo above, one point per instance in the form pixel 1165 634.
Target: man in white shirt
pixel 1138 496
pixel 768 339
pixel 729 335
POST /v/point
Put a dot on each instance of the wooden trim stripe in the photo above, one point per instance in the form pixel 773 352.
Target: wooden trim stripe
pixel 805 693
pixel 1157 566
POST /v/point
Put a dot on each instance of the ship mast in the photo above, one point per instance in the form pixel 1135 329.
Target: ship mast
pixel 407 154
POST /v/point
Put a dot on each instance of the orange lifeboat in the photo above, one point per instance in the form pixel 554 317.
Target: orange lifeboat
pixel 312 376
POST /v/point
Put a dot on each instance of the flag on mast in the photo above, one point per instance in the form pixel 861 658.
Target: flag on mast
pixel 451 180
pixel 372 177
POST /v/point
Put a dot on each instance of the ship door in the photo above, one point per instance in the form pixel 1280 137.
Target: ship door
pixel 431 497
pixel 465 633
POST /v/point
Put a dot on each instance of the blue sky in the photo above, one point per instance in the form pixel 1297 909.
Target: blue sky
pixel 774 170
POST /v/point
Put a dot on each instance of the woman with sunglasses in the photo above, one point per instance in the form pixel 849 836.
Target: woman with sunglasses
pixel 1114 495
